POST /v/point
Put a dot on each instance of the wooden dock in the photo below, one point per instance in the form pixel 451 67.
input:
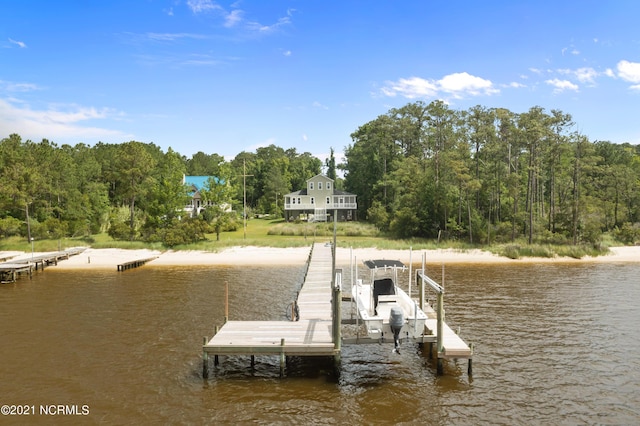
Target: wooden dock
pixel 9 271
pixel 315 333
pixel 135 263
pixel 453 347
pixel 311 335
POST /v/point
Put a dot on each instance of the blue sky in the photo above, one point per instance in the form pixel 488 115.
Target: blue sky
pixel 224 77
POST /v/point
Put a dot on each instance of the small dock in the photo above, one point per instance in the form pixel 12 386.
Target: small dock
pixel 310 335
pixel 134 263
pixel 48 259
pixel 9 271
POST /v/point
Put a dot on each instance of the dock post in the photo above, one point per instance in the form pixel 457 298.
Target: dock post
pixel 216 360
pixel 469 366
pixel 226 301
pixel 253 361
pixel 282 358
pixel 205 360
pixel 439 338
pixel 336 303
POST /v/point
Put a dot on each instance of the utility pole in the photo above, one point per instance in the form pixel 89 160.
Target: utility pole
pixel 244 202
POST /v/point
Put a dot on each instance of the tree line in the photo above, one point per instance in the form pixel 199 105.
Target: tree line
pixel 488 175
pixel 135 191
pixel 480 175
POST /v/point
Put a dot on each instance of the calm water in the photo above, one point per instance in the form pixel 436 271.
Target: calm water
pixel 555 344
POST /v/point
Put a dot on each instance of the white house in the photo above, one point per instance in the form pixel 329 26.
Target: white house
pixel 319 201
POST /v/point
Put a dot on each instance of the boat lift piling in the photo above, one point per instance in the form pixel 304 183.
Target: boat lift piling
pixel 455 347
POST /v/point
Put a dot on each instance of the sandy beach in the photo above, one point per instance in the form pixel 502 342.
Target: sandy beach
pixel 250 255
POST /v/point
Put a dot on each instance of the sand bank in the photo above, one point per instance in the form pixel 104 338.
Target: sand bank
pixel 263 256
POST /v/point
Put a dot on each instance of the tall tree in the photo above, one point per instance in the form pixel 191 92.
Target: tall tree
pixel 330 164
pixel 134 172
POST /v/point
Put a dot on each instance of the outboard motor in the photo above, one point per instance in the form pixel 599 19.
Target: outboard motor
pixel 396 321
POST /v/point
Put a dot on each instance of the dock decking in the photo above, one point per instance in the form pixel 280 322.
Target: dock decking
pixel 10 270
pixel 309 336
pixel 135 263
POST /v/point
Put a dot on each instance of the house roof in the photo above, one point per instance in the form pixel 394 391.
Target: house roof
pixel 322 176
pixel 198 182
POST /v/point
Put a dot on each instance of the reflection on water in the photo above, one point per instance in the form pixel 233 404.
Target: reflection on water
pixel 553 344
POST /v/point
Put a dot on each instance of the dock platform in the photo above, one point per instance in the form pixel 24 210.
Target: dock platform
pixel 134 263
pixel 453 347
pixel 311 335
pixel 9 271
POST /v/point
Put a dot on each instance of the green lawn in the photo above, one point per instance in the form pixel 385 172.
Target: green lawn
pixel 278 233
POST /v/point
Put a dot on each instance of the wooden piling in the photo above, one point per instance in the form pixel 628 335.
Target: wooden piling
pixel 226 301
pixel 205 360
pixel 469 365
pixel 216 360
pixel 282 358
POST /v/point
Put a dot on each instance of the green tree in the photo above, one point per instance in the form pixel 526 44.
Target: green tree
pixel 217 195
pixel 134 166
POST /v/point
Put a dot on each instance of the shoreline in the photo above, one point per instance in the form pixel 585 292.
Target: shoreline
pixel 264 256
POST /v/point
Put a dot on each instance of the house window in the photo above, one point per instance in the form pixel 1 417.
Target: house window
pixel 299 200
pixel 319 185
pixel 311 186
pixel 328 200
pixel 313 201
pixel 293 200
pixel 328 185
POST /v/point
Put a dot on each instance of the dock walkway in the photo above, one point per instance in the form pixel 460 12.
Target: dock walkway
pixel 453 347
pixel 10 270
pixel 309 336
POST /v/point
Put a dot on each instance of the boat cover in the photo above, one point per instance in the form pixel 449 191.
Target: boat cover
pixel 382 286
pixel 383 263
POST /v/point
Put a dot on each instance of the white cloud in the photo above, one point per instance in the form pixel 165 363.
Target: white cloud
pixel 236 17
pixel 266 29
pixel 629 71
pixel 233 18
pixel 561 85
pixel 172 36
pixel 462 83
pixel 411 88
pixel 458 84
pixel 55 123
pixel 20 44
pixel 198 6
pixel 9 86
pixel 584 75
